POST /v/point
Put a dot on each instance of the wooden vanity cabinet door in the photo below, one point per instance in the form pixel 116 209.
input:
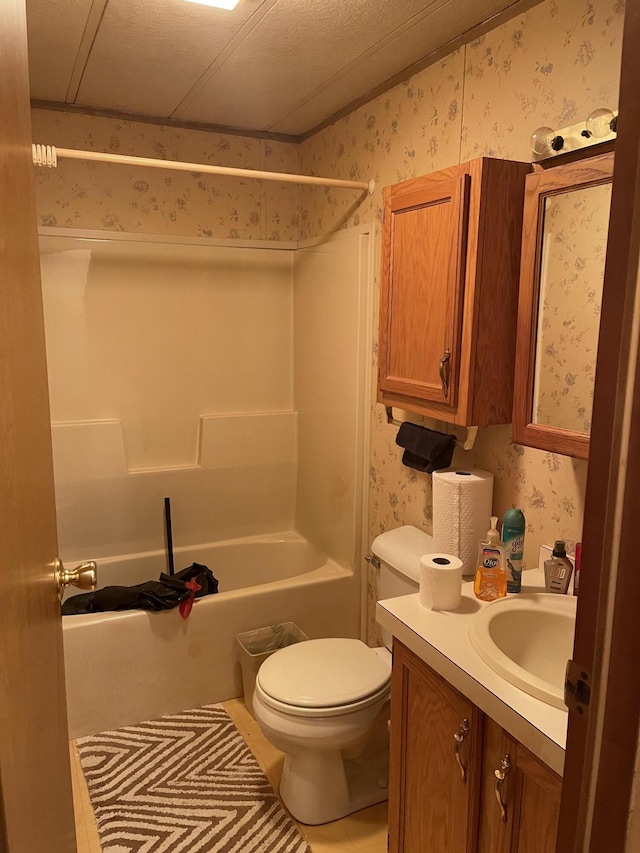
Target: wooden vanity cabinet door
pixel 431 808
pixel 422 291
pixel 530 793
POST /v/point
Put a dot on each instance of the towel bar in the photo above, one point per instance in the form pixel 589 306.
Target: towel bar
pixel 467 444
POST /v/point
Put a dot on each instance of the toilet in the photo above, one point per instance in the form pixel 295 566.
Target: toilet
pixel 325 703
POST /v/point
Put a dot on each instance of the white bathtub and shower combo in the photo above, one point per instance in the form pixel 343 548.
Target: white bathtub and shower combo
pixel 257 429
pixel 129 666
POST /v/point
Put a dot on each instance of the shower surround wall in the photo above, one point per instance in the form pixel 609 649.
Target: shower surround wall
pixel 332 432
pixel 170 373
pixel 205 373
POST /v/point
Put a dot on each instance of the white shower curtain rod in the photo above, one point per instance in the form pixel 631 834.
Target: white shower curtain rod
pixel 48 155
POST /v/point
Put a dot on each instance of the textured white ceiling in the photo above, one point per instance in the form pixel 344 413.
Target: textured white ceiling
pixel 269 65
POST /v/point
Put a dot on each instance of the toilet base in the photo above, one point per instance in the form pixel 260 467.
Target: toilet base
pixel 323 786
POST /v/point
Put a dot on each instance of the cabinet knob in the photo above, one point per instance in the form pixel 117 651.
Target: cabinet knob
pixel 445 370
pixel 458 740
pixel 501 774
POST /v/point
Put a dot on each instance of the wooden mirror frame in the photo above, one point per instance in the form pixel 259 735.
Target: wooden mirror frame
pixel 541 184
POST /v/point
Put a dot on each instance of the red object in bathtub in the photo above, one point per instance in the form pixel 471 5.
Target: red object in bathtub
pixel 187 603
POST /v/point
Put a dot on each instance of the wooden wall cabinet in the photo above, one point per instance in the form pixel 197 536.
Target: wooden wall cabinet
pixel 449 292
pixel 442 781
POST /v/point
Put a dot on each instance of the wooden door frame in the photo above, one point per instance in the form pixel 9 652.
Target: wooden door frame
pixel 601 745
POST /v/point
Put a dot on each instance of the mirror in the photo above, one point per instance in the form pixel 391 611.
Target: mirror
pixel 574 243
pixel 566 220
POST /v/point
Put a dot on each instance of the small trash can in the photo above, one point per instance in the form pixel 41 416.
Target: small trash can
pixel 256 646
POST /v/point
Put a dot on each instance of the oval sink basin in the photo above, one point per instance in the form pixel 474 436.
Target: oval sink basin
pixel 528 641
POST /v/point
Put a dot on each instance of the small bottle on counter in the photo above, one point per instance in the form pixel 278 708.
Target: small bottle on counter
pixel 558 569
pixel 513 527
pixel 491 579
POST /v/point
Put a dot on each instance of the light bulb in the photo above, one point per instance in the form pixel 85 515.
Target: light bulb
pixel 598 123
pixel 541 141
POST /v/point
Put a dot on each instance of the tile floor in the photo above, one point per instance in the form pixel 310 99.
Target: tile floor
pixel 362 832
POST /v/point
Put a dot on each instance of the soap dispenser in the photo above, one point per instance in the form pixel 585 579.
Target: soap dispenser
pixel 491 576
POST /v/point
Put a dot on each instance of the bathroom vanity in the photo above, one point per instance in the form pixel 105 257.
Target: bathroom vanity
pixel 476 763
pixel 458 781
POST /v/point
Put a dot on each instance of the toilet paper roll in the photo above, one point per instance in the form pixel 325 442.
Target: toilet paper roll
pixel 440 581
pixel 462 501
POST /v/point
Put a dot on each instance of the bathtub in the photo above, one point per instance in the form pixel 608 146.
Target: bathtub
pixel 122 668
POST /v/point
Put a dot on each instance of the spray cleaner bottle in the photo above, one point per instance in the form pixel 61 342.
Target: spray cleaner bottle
pixel 513 528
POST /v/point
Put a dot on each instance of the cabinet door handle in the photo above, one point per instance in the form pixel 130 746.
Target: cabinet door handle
pixel 458 740
pixel 501 774
pixel 445 369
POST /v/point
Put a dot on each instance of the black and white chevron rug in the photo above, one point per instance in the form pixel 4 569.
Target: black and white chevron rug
pixel 185 783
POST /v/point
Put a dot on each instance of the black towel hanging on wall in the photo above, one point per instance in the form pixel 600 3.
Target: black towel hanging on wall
pixel 425 449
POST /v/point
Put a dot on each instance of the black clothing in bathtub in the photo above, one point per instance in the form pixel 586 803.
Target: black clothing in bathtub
pixel 163 594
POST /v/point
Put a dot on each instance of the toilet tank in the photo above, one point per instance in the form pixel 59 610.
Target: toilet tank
pixel 399 553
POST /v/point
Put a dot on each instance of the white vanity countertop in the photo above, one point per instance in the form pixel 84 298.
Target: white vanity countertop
pixel 441 640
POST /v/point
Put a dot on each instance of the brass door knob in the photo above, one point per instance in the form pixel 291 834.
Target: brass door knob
pixel 84 576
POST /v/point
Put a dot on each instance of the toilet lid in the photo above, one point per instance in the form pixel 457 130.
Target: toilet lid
pixel 323 673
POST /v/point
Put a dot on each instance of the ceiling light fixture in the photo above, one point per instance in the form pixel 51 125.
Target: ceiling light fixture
pixel 219 4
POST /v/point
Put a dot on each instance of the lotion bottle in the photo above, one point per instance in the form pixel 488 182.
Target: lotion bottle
pixel 558 569
pixel 491 578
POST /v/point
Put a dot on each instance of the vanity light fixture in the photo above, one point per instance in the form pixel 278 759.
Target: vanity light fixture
pixel 219 4
pixel 601 126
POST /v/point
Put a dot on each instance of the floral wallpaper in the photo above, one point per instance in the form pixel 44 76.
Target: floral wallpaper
pixel 574 250
pixel 81 194
pixel 549 66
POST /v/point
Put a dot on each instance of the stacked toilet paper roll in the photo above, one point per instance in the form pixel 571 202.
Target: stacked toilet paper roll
pixel 462 501
pixel 440 581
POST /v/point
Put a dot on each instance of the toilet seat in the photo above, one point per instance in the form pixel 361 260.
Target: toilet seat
pixel 323 678
pixel 326 711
